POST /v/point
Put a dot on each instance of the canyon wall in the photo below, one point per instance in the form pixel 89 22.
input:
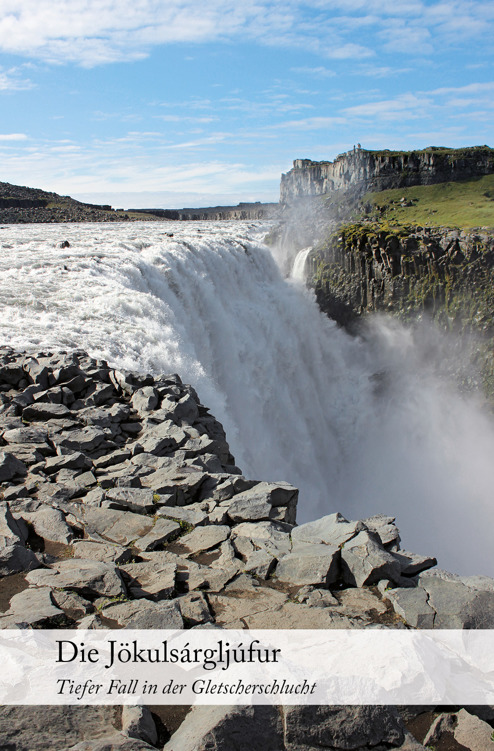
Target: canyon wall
pixel 359 171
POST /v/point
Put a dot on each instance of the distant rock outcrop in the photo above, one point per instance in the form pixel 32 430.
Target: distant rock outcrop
pixel 243 211
pixel 359 171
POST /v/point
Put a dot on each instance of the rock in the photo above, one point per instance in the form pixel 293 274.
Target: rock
pixel 273 537
pixel 31 434
pixel 314 727
pixel 85 439
pixel 228 728
pixel 12 531
pixel 32 606
pixel 243 509
pixel 53 728
pixel 364 561
pixel 456 605
pixel 117 742
pixel 16 558
pixel 112 459
pixel 42 411
pixel 162 439
pixel 49 523
pixel 140 500
pixel 361 603
pixel 316 598
pixel 146 614
pixel 260 563
pixel 235 605
pixel 162 531
pixel 194 608
pixel 442 724
pixel 310 564
pixel 137 722
pixel 73 605
pixel 105 552
pixel 185 483
pixel 204 538
pixel 93 577
pixel 122 527
pixel 412 605
pixel 144 400
pixel 10 466
pixel 385 529
pixel 472 732
pixel 192 514
pixel 333 529
pixel 151 580
pixel 75 460
pixel 413 564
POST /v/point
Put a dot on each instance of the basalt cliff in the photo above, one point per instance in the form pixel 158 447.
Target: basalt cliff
pixel 359 171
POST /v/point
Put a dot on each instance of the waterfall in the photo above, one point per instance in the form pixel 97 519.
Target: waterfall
pixel 298 271
pixel 362 426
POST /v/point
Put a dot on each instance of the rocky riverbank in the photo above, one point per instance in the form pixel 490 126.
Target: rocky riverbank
pixel 122 507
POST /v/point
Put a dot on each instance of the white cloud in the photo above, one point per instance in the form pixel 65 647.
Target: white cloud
pixel 319 72
pixel 13 137
pixel 93 32
pixel 390 109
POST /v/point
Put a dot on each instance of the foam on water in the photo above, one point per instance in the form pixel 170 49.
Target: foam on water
pixel 300 399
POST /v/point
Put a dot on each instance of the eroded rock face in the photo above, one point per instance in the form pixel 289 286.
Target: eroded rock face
pixel 121 506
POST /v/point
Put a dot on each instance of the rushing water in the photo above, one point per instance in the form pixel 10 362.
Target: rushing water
pixel 362 427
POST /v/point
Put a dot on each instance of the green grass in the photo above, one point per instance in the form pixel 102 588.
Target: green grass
pixel 454 204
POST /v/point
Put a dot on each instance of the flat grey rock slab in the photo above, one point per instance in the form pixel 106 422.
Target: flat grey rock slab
pixel 162 531
pixel 105 552
pixel 11 530
pixel 137 722
pixel 122 527
pixel 146 614
pixel 274 493
pixel 365 561
pixel 153 580
pixel 10 466
pixel 332 529
pixel 49 523
pixel 227 728
pixel 361 603
pixel 412 604
pixel 32 606
pixel 28 434
pixel 204 538
pixel 458 606
pixel 472 732
pixel 385 528
pixel 310 564
pixel 194 608
pixel 72 460
pixel 232 606
pixel 117 742
pixel 162 439
pixel 42 411
pixel 145 400
pixel 271 536
pixel 260 563
pixel 192 515
pixel 243 509
pixel 16 558
pixel 85 439
pixel 54 728
pixel 413 563
pixel 139 500
pixel 80 574
pixel 314 727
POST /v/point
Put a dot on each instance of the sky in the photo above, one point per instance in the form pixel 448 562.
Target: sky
pixel 178 103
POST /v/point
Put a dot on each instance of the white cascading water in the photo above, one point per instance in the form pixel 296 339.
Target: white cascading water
pixel 362 427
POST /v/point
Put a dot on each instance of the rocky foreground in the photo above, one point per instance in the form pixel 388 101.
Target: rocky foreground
pixel 122 507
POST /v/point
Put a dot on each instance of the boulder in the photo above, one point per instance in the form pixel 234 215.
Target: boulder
pixel 333 529
pixel 10 466
pixel 310 564
pixel 227 728
pixel 93 577
pixel 365 561
pixel 145 614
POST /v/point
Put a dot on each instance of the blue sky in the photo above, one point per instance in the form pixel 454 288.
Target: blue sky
pixel 184 103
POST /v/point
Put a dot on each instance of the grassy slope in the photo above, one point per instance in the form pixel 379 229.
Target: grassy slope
pixel 455 204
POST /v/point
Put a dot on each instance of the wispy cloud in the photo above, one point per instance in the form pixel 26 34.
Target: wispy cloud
pixel 94 32
pixel 391 109
pixel 318 72
pixel 13 80
pixel 13 137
